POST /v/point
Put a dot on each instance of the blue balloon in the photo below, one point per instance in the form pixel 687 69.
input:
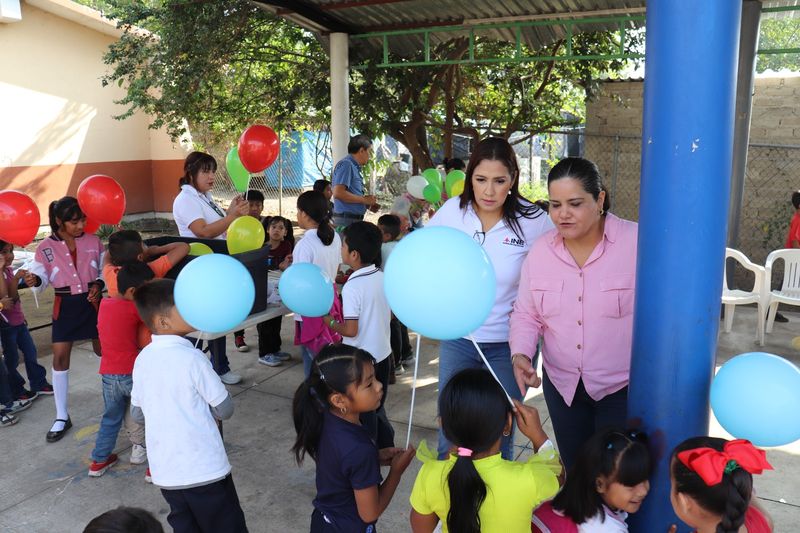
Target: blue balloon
pixel 306 289
pixel 440 283
pixel 214 293
pixel 756 396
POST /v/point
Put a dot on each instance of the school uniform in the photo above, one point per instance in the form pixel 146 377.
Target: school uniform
pixel 174 385
pixel 363 299
pixel 71 275
pixel 347 461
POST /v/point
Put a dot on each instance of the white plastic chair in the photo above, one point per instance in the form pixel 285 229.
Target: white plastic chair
pixel 733 297
pixel 790 288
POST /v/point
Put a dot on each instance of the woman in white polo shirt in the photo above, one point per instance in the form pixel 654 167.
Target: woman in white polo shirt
pixel 492 212
pixel 197 216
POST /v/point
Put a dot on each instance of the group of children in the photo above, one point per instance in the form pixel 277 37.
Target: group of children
pixel 151 372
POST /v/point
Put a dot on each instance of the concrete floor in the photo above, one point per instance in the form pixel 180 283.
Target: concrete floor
pixel 44 487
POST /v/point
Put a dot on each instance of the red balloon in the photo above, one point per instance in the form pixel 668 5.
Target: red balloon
pixel 19 218
pixel 258 148
pixel 91 226
pixel 102 199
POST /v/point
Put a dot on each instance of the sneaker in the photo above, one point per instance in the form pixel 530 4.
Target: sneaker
pixel 283 356
pixel 408 360
pixel 399 370
pixel 18 405
pixel 138 454
pixel 27 395
pixel 780 318
pixel 230 378
pixel 7 419
pixel 98 469
pixel 45 390
pixel 147 477
pixel 270 359
pixel 240 344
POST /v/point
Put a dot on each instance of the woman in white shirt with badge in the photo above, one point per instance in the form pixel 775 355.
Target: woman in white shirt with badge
pixel 496 216
pixel 197 216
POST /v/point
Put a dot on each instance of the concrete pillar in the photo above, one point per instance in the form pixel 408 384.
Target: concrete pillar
pixel 340 95
pixel 687 144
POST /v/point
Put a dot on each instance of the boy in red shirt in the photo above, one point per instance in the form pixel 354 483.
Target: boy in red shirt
pixel 118 325
pixel 793 238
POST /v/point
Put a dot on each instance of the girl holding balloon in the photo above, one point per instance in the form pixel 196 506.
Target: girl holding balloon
pixel 70 261
pixel 491 211
pixel 198 216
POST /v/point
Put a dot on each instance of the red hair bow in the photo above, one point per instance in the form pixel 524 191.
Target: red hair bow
pixel 711 464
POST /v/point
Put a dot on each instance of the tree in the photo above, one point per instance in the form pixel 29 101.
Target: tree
pixel 777 33
pixel 222 65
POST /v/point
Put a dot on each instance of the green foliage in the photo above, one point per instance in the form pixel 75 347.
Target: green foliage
pixel 221 65
pixel 779 33
pixel 533 191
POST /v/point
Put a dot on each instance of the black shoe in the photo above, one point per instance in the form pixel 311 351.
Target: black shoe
pixel 780 318
pixel 55 436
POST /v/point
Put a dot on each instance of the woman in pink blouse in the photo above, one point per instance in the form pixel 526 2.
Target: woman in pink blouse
pixel 576 291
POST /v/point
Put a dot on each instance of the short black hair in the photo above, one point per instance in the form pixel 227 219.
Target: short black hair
pixel 125 520
pixel 153 298
pixel 321 185
pixel 358 142
pixel 254 195
pixel 366 239
pixel 124 246
pixel 796 199
pixel 390 224
pixel 133 274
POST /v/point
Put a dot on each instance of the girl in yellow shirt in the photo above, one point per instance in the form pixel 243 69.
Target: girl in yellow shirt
pixel 476 490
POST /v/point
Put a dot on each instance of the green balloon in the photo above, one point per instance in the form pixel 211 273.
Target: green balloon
pixel 452 177
pixel 432 193
pixel 433 177
pixel 239 175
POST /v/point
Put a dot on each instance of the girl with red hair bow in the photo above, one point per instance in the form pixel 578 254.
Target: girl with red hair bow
pixel 712 485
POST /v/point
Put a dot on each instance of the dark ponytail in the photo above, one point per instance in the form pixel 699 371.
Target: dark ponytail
pixel 335 368
pixel 195 163
pixel 65 209
pixel 729 498
pixel 584 171
pixel 474 413
pixel 314 204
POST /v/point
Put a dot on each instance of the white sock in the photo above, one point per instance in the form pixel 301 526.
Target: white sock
pixel 60 389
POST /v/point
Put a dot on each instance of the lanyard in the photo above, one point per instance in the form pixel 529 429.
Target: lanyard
pixel 213 206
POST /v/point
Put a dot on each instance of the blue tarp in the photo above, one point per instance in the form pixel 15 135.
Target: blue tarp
pixel 299 162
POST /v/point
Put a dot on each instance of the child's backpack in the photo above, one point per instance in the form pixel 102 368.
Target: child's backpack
pixel 545 519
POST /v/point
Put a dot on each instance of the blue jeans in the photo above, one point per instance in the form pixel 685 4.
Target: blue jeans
pixel 216 347
pixel 308 360
pixel 5 388
pixel 117 397
pixel 460 354
pixel 16 338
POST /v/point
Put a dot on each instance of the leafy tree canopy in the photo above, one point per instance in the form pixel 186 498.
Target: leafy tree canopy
pixel 777 33
pixel 221 65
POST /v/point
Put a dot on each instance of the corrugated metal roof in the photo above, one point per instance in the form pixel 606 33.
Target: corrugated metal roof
pixel 371 16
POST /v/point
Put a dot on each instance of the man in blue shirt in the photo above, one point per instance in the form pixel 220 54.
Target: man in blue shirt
pixel 349 201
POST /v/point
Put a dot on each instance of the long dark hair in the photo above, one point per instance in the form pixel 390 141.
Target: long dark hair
pixel 620 456
pixel 313 204
pixel 729 498
pixel 584 171
pixel 64 209
pixel 195 163
pixel 474 411
pixel 335 368
pixel 514 206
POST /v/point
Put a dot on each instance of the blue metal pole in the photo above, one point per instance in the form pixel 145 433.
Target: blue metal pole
pixel 687 140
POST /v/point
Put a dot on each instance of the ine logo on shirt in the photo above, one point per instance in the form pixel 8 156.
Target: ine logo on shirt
pixel 519 243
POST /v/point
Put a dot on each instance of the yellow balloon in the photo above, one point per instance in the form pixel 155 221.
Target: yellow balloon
pixel 245 234
pixel 198 248
pixel 457 188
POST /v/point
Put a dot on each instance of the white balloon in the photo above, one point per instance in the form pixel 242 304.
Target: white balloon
pixel 416 186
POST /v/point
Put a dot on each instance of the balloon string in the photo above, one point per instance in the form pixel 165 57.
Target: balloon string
pixel 197 342
pixel 413 392
pixel 3 316
pixel 35 299
pixel 491 370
